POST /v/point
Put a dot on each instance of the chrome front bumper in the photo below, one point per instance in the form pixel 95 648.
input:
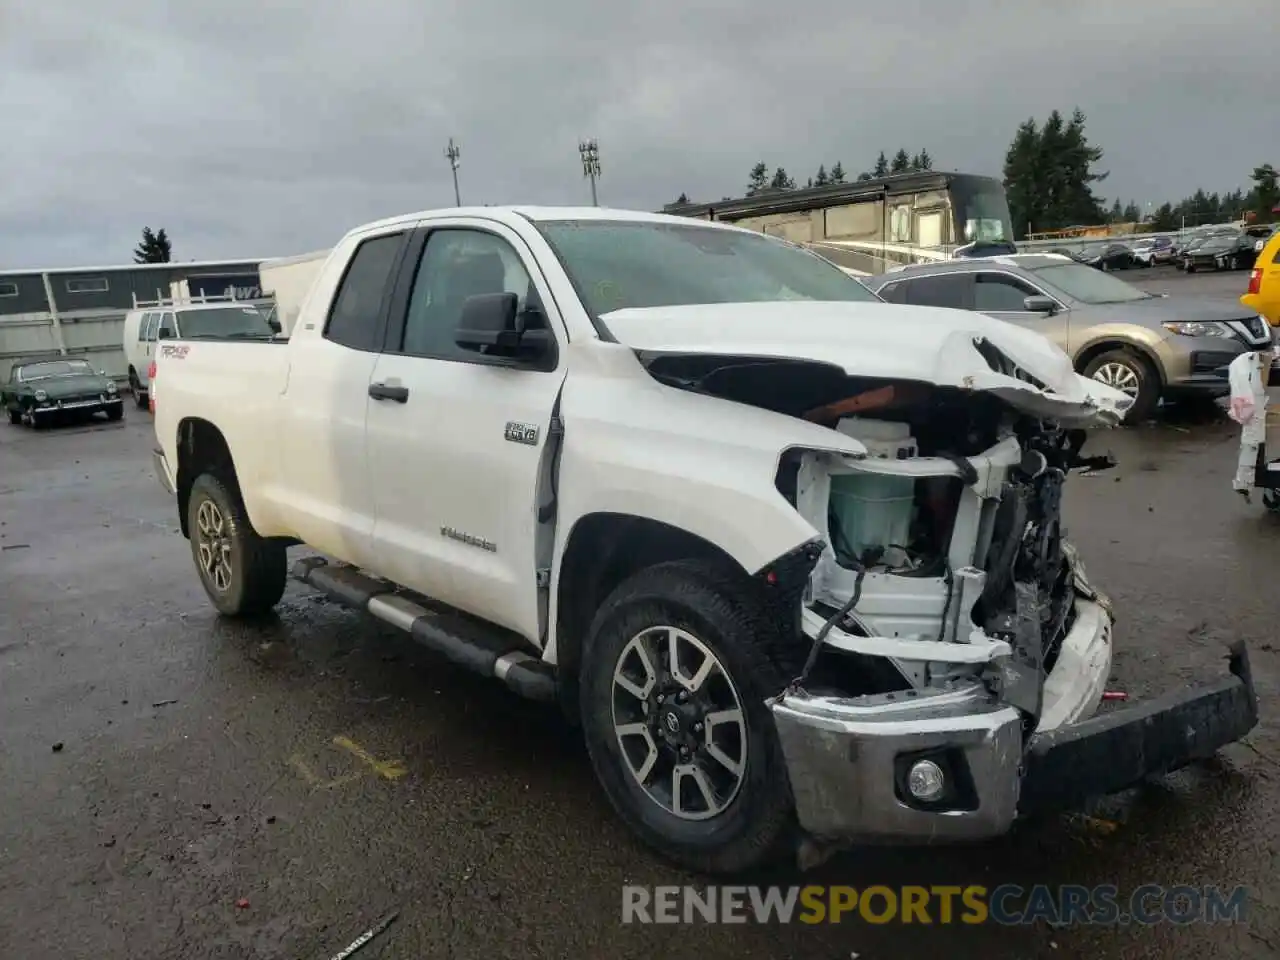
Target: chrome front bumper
pixel 161 466
pixel 60 406
pixel 847 757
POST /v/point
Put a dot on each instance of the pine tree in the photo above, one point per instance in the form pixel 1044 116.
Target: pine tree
pixel 154 248
pixel 1022 179
pixel 781 181
pixel 925 161
pixel 837 173
pixel 882 166
pixel 683 198
pixel 758 179
pixel 1116 215
pixel 901 162
pixel 1265 195
pixel 821 180
pixel 1131 213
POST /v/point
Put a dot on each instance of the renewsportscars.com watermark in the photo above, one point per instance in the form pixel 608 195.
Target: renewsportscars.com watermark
pixel 1007 904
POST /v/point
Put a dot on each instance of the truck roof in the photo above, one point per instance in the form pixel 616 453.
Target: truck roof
pixel 541 214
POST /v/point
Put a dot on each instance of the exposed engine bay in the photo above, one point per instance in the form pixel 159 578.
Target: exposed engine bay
pixel 945 554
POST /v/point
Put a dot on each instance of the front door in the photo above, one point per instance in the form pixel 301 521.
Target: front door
pixel 1003 296
pixel 457 440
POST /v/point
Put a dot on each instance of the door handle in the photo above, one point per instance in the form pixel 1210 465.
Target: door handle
pixel 382 391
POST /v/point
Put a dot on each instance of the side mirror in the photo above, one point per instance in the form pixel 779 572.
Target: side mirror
pixel 1039 304
pixel 274 325
pixel 492 325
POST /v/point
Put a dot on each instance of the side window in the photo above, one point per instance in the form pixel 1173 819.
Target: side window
pixel 356 314
pixel 152 322
pixel 894 292
pixel 1000 292
pixel 457 264
pixel 167 328
pixel 142 327
pixel 949 290
pixel 1275 255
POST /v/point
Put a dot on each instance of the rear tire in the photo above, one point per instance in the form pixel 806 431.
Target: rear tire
pixel 727 820
pixel 1132 374
pixel 243 573
pixel 15 417
pixel 115 413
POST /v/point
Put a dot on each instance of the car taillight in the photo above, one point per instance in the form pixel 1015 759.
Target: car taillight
pixel 1255 280
pixel 151 387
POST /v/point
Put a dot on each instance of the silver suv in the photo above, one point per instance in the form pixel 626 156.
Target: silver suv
pixel 1149 346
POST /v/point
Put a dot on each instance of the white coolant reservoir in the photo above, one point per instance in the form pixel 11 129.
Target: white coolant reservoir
pixel 882 438
pixel 873 510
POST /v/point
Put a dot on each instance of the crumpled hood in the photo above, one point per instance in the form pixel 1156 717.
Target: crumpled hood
pixel 76 385
pixel 881 341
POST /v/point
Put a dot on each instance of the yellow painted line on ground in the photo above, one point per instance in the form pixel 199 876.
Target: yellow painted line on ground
pixel 313 779
pixel 387 769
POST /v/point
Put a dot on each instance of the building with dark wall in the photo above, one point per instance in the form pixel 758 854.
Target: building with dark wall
pixel 76 289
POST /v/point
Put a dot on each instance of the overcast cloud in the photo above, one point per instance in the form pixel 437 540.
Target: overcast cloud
pixel 251 130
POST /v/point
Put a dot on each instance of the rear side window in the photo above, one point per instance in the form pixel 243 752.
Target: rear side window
pixel 150 324
pixel 951 290
pixel 1275 251
pixel 355 319
pixel 142 327
pixel 167 329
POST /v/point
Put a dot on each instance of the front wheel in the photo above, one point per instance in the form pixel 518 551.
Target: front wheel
pixel 1129 373
pixel 15 416
pixel 675 673
pixel 243 573
pixel 115 413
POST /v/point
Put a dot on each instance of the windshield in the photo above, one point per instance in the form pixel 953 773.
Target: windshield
pixel 620 264
pixel 54 368
pixel 982 210
pixel 1089 285
pixel 226 322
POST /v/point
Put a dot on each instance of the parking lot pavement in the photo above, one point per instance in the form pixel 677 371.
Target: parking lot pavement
pixel 172 785
pixel 1228 284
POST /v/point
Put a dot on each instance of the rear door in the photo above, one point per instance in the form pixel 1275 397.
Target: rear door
pixel 150 330
pixel 1002 295
pixel 324 473
pixel 459 441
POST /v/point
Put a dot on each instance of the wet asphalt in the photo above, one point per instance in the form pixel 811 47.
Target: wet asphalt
pixel 173 785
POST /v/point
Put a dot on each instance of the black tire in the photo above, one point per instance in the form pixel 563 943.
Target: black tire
pixel 1144 404
pixel 135 388
pixel 115 413
pixel 758 824
pixel 258 567
pixel 15 416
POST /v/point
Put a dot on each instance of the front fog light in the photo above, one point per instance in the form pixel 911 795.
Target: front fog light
pixel 925 780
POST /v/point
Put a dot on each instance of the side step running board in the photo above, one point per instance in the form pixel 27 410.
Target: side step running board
pixel 487 651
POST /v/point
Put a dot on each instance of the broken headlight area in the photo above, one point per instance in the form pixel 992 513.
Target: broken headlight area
pixel 945 559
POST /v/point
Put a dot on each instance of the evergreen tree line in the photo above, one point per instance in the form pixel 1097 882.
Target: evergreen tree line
pixel 760 180
pixel 1049 175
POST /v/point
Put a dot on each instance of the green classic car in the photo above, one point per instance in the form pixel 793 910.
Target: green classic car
pixel 39 391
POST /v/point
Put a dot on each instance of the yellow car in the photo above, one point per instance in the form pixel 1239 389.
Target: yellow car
pixel 1263 295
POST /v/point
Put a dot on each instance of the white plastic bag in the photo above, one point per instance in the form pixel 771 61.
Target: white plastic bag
pixel 1249 409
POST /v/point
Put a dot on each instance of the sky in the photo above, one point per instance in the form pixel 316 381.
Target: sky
pixel 270 128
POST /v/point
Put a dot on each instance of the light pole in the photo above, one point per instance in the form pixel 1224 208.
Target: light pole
pixel 452 153
pixel 590 152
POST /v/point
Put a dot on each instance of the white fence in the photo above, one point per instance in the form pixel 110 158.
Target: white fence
pixel 94 335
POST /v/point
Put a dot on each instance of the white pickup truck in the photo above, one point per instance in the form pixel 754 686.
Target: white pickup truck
pixel 790 555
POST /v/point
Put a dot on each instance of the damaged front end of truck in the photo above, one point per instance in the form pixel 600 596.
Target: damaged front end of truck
pixel 958 652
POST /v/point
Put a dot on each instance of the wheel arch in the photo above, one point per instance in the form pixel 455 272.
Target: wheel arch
pixel 1106 344
pixel 601 551
pixel 201 448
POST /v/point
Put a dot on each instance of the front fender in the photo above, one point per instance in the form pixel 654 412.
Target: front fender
pixel 703 465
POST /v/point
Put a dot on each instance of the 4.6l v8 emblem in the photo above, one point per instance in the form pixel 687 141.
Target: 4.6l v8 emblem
pixel 522 433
